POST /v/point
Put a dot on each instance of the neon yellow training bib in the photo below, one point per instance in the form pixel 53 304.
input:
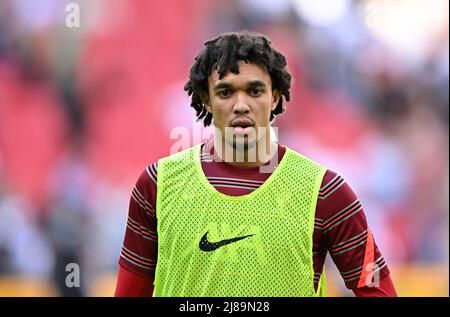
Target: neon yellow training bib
pixel 255 245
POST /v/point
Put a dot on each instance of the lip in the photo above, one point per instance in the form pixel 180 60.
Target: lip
pixel 242 126
pixel 248 131
pixel 241 122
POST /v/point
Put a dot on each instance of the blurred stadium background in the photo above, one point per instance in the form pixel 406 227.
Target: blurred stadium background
pixel 84 110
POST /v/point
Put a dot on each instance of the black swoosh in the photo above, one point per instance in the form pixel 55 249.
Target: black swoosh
pixel 207 246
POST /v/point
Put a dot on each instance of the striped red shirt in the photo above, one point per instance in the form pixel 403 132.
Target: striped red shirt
pixel 340 226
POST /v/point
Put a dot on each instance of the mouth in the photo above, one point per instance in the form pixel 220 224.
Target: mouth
pixel 242 126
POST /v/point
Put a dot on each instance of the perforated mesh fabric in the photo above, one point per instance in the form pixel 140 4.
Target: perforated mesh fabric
pixel 276 260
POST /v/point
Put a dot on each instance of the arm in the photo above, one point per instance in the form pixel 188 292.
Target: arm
pixel 130 284
pixel 345 234
pixel 384 289
pixel 138 257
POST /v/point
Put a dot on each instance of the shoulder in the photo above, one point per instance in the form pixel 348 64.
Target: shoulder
pixel 337 203
pixel 331 182
pixel 146 185
pixel 177 164
pixel 188 153
pixel 148 176
pixel 334 188
pixel 150 173
pixel 297 157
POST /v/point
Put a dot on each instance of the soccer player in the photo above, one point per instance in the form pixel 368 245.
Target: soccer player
pixel 240 214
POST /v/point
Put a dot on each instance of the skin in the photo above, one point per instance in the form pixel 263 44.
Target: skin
pixel 245 96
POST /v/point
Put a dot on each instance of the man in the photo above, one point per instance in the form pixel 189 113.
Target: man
pixel 242 215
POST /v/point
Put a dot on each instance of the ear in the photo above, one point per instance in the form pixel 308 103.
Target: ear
pixel 276 95
pixel 206 101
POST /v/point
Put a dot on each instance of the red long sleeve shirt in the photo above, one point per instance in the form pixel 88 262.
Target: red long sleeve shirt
pixel 340 229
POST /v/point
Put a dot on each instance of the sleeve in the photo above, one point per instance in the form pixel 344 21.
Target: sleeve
pixel 345 234
pixel 139 251
pixel 130 284
pixel 385 288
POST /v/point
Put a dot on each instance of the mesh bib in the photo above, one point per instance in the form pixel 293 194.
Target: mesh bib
pixel 256 245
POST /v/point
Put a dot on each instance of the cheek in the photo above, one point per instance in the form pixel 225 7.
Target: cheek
pixel 219 115
pixel 220 108
pixel 266 104
pixel 265 107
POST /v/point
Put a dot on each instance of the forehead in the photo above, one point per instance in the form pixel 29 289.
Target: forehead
pixel 247 72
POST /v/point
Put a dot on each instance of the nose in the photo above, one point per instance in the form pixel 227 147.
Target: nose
pixel 241 105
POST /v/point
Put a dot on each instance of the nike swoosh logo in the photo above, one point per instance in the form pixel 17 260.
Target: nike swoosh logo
pixel 207 246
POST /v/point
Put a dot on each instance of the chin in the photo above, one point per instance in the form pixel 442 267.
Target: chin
pixel 245 144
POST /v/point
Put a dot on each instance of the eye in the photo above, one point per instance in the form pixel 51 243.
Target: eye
pixel 225 93
pixel 255 92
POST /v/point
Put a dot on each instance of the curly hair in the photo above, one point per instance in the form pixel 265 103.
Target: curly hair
pixel 222 54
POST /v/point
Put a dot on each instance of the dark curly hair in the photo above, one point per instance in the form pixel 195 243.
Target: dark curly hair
pixel 223 53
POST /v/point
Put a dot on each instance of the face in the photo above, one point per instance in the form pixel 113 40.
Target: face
pixel 241 104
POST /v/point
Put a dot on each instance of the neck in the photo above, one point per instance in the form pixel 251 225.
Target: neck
pixel 252 156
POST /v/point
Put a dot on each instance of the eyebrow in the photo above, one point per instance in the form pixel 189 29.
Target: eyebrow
pixel 253 83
